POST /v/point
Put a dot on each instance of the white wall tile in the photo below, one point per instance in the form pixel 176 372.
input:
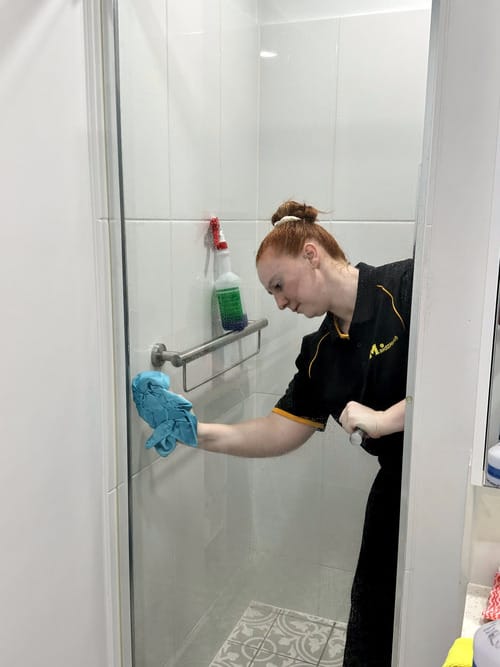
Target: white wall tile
pixel 239 109
pixel 144 108
pixel 485 562
pixel 348 466
pixel 341 539
pixel 323 474
pixel 191 17
pixel 149 287
pixel 149 310
pixel 168 562
pixel 342 515
pixel 194 108
pixel 286 498
pixel 286 11
pixel 335 594
pixel 380 107
pixel 283 581
pixel 228 507
pixel 487 525
pixel 191 283
pixel 191 535
pixel 297 114
pixel 374 242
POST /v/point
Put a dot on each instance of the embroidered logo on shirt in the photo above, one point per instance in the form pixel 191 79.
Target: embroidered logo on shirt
pixel 380 348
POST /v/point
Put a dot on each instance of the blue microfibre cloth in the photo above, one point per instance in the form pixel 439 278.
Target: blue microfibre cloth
pixel 166 412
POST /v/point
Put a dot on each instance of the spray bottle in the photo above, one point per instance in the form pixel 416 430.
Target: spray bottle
pixel 227 284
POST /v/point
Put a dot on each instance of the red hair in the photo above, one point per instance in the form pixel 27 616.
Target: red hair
pixel 288 237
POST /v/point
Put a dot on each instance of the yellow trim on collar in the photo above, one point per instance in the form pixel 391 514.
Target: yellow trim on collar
pixel 393 304
pixel 341 334
pixel 315 354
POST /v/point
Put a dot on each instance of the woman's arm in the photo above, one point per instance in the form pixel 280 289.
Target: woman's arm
pixel 375 423
pixel 265 436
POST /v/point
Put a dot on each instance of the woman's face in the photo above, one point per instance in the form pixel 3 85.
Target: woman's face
pixel 294 282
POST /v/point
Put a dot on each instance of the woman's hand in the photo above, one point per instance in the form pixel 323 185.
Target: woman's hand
pixel 355 415
pixel 375 423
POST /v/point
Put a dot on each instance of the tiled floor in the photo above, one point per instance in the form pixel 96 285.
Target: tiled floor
pixel 267 636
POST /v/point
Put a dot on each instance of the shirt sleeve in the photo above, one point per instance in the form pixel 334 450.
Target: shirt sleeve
pixel 300 402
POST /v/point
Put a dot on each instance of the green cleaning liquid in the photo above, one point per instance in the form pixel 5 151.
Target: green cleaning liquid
pixel 227 290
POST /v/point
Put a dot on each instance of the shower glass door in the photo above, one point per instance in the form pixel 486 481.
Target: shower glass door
pixel 227 109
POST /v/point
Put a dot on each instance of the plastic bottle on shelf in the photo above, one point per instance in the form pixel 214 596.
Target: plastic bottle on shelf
pixel 493 465
pixel 227 284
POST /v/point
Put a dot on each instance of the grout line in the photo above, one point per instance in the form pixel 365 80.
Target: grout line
pixel 326 644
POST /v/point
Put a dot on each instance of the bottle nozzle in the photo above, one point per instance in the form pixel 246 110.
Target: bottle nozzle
pixel 222 245
pixel 220 242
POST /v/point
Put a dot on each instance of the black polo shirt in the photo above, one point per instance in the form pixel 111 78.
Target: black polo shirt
pixel 367 365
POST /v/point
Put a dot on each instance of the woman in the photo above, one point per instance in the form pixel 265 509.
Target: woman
pixel 353 369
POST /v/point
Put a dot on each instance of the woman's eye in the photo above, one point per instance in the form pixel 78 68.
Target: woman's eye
pixel 274 287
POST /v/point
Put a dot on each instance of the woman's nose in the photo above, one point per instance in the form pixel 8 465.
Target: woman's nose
pixel 281 301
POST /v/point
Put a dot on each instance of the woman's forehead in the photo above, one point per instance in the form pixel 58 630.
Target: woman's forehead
pixel 272 265
pixel 271 254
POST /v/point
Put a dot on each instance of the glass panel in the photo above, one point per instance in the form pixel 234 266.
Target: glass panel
pixel 227 109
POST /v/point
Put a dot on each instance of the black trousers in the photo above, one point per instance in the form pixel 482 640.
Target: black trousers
pixel 370 626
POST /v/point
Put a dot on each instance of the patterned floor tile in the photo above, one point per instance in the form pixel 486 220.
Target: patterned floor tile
pixel 254 625
pixel 268 636
pixel 297 637
pixel 265 659
pixel 334 652
pixel 308 617
pixel 232 654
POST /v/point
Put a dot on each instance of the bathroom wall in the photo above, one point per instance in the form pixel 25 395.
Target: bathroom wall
pixel 59 494
pixel 211 128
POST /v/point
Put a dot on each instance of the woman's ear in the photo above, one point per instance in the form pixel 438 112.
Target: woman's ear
pixel 311 253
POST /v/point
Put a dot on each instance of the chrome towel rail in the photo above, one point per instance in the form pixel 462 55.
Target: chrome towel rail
pixel 160 354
